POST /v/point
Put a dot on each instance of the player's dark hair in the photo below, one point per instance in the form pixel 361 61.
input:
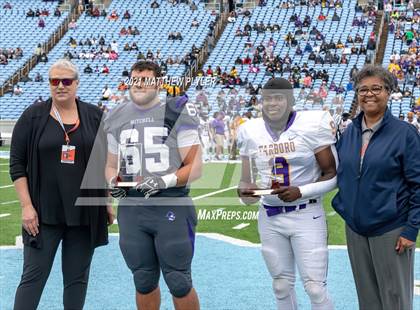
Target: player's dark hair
pixel 147 65
pixel 375 71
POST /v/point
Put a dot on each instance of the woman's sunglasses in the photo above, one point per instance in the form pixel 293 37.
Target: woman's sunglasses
pixel 65 82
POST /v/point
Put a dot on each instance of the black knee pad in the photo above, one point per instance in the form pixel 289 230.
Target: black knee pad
pixel 179 282
pixel 146 281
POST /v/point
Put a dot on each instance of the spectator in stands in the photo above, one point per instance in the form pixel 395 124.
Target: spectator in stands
pixel 30 13
pixel 3 59
pixel 335 17
pixel 37 13
pixel 38 77
pixel 41 23
pixel 38 100
pixel 154 5
pixel 232 17
pixel 127 15
pixel 321 16
pixel 127 47
pixel 114 46
pixel 45 12
pixel 353 72
pixel 95 12
pixel 122 86
pixel 307 81
pixel 149 55
pixel 48 195
pixel 178 36
pixel 362 50
pixel 134 47
pixel 140 56
pixel 409 36
pixel 88 70
pixel 72 24
pixel 195 22
pixel 125 72
pixel 238 61
pixel 106 93
pixel 113 16
pixel 43 58
pixel 7 6
pixel 308 48
pixel 105 69
pixel 135 31
pixel 17 91
pixel 370 47
pixel 123 31
pixel 57 12
pixel 396 96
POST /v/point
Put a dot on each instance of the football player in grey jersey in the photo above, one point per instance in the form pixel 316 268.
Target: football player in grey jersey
pixel 158 144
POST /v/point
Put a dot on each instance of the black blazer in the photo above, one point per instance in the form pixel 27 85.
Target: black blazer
pixel 24 162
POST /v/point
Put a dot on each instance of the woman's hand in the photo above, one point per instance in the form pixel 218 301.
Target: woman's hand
pixel 30 220
pixel 111 214
pixel 403 244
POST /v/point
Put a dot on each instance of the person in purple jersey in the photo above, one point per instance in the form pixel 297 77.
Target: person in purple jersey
pixel 218 133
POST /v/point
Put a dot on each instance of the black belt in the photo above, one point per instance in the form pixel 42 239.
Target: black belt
pixel 274 210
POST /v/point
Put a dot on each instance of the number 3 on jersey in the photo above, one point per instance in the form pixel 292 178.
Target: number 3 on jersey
pixel 156 154
pixel 280 172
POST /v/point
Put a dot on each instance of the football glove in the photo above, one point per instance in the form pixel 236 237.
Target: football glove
pixel 151 186
pixel 116 192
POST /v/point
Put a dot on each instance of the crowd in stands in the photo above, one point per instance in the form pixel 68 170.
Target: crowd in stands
pixel 404 64
pixel 311 3
pixel 8 54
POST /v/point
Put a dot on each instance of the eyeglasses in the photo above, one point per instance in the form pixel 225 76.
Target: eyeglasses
pixel 65 82
pixel 376 90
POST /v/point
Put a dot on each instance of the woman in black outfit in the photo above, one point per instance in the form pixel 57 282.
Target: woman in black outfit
pixel 51 145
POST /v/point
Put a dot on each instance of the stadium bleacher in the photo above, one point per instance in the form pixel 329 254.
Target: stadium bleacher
pixel 230 47
pixel 154 26
pixel 394 44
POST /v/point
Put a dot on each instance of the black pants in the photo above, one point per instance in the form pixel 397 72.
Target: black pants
pixel 76 256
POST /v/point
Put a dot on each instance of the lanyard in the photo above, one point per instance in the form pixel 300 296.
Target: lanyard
pixel 66 133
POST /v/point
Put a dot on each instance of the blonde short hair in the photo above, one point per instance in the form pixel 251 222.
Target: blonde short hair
pixel 66 64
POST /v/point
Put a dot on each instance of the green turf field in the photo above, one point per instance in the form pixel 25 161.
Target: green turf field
pixel 216 177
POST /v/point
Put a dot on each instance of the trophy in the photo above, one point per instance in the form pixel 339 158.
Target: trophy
pixel 129 164
pixel 261 174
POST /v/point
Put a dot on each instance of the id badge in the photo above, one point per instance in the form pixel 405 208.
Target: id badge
pixel 68 154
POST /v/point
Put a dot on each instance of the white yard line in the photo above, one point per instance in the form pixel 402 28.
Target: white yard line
pixel 4 215
pixel 6 186
pixel 9 202
pixel 214 193
pixel 331 213
pixel 241 226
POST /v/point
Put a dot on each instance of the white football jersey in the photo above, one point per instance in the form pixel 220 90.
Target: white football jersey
pixel 288 158
pixel 204 127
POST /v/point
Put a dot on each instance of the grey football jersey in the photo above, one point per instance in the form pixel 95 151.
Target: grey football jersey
pixel 146 140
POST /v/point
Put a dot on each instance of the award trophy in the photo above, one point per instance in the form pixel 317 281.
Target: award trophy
pixel 129 164
pixel 260 171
